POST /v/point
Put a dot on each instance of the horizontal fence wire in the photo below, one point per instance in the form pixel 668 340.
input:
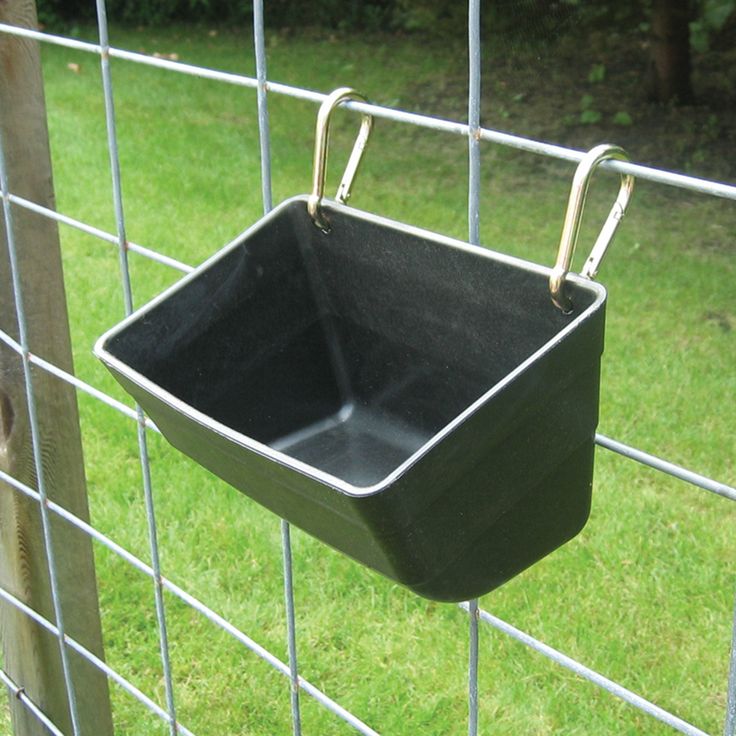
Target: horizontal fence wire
pixel 568 662
pixel 20 694
pixel 550 150
pixel 664 466
pixel 97 233
pixel 474 133
pixel 125 282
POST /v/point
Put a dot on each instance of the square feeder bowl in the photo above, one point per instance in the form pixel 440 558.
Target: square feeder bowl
pixel 416 402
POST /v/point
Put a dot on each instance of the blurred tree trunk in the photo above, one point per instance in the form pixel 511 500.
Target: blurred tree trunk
pixel 670 73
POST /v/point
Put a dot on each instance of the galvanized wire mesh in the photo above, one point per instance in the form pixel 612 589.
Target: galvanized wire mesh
pixel 475 134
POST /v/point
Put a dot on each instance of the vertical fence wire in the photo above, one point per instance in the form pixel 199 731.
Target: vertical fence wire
pixel 95 661
pixel 264 136
pixel 729 728
pixel 36 440
pixel 473 237
pixel 112 141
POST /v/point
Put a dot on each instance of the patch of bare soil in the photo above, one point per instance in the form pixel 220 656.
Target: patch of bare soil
pixel 580 91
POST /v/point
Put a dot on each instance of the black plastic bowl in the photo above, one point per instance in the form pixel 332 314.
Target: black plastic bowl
pixel 415 402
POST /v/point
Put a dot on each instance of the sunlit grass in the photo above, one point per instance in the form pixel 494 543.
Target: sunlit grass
pixel 644 594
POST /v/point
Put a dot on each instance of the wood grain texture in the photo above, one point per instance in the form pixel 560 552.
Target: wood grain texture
pixel 31 655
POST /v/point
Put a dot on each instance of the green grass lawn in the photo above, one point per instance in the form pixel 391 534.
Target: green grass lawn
pixel 644 594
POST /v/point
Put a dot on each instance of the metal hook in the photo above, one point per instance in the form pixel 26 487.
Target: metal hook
pixel 574 216
pixel 320 154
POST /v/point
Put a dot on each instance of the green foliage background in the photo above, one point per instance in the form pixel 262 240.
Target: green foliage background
pixel 532 19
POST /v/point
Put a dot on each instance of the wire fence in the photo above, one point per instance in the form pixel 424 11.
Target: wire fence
pixel 475 134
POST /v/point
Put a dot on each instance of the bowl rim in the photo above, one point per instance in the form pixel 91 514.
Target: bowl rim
pixel 117 366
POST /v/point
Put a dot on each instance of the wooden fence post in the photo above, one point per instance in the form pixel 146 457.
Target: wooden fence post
pixel 31 654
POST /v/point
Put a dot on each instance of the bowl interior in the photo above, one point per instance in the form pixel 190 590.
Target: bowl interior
pixel 347 350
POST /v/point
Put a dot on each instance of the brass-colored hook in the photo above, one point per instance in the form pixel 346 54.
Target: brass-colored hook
pixel 320 154
pixel 574 216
